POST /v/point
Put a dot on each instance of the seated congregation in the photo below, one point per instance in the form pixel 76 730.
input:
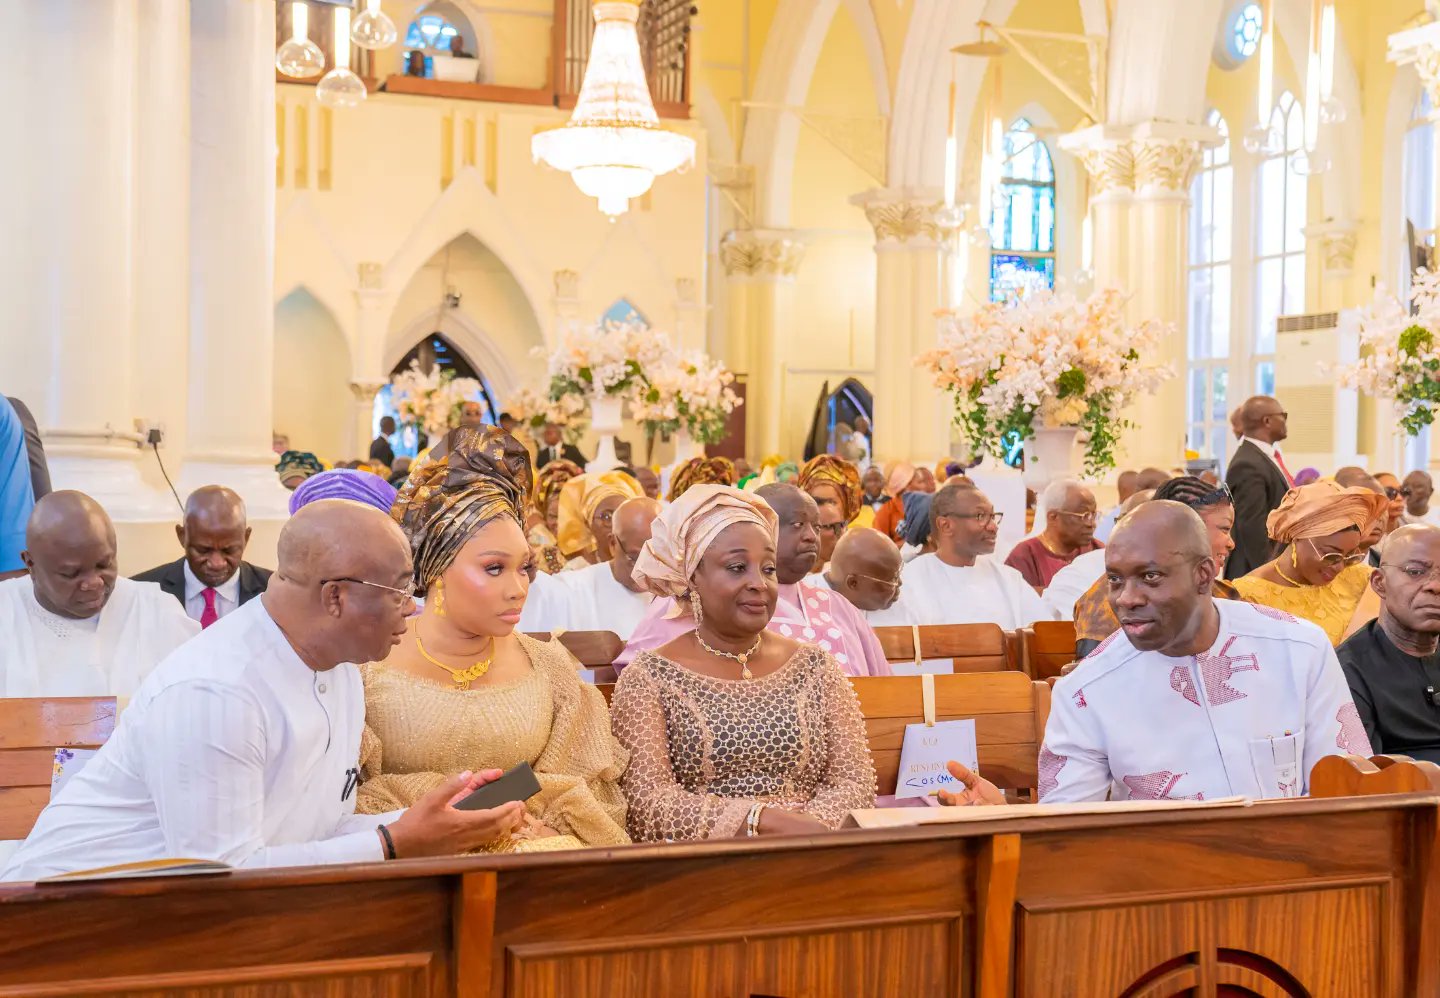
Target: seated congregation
pixel 409 648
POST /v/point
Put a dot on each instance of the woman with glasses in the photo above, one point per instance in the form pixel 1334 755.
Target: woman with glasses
pixel 732 728
pixel 587 509
pixel 1320 574
pixel 463 690
pixel 834 484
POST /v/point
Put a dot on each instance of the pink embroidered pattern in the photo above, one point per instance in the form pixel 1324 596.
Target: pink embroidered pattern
pixel 1079 697
pixel 1272 613
pixel 1157 786
pixel 1104 644
pixel 1217 671
pixel 1352 737
pixel 1181 683
pixel 1049 767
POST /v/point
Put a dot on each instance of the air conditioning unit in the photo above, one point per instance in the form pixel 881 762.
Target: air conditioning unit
pixel 1323 416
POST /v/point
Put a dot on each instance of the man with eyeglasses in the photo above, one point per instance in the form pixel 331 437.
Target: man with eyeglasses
pixel 1258 480
pixel 243 746
pixel 1393 663
pixel 1068 532
pixel 865 569
pixel 1393 492
pixel 961 583
pixel 832 528
pixel 600 597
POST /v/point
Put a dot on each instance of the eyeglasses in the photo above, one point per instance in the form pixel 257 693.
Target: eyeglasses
pixel 1393 493
pixel 1336 558
pixel 891 584
pixel 406 594
pixel 994 518
pixel 1282 414
pixel 1417 573
pixel 835 529
pixel 1089 519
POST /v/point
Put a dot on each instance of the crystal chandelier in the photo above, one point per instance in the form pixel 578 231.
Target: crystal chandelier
pixel 613 146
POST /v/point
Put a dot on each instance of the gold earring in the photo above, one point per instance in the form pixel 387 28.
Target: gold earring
pixel 695 606
pixel 439 597
pixel 1294 561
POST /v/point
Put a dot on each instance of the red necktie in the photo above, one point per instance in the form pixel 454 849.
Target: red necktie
pixel 210 614
pixel 1289 478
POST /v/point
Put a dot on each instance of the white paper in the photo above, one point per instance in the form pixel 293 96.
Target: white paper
pixel 68 762
pixel 926 751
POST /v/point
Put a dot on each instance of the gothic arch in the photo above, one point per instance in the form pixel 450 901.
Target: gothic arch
pixel 468 337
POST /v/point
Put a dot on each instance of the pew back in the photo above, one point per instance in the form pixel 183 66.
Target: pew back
pixel 1046 647
pixel 596 650
pixel 971 647
pixel 30 732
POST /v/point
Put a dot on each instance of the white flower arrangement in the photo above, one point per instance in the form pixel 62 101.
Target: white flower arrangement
pixel 1402 359
pixel 432 401
pixel 1047 360
pixel 534 408
pixel 610 358
pixel 690 393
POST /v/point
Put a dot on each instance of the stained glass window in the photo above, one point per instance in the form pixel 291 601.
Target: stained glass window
pixel 1022 218
pixel 430 31
pixel 1245 31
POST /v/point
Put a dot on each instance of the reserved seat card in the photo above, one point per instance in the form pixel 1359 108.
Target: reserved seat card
pixel 927 748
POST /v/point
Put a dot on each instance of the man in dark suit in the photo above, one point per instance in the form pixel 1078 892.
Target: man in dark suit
pixel 213 578
pixel 380 449
pixel 1258 480
pixel 551 449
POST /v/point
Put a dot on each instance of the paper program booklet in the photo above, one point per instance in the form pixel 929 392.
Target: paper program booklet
pixel 905 817
pixel 144 868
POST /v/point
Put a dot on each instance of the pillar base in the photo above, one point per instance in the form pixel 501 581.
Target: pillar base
pixel 112 476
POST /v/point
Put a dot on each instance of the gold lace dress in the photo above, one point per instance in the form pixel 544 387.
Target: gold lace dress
pixel 419 733
pixel 704 750
pixel 1332 607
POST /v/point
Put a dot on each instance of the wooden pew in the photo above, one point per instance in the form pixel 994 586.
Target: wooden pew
pixel 1313 897
pixel 593 649
pixel 30 732
pixel 1009 709
pixel 1046 647
pixel 971 647
pixel 1356 776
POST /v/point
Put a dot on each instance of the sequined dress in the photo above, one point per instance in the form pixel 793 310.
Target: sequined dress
pixel 419 733
pixel 704 750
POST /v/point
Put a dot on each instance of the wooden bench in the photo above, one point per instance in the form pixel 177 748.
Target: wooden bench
pixel 1046 647
pixel 970 647
pixel 593 649
pixel 1356 776
pixel 30 732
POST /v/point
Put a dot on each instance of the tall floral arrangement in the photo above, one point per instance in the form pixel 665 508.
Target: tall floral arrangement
pixel 431 399
pixel 690 393
pixel 1047 360
pixel 610 358
pixel 534 408
pixel 1402 355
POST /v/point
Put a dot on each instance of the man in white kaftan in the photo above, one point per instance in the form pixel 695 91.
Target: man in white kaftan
pixel 72 627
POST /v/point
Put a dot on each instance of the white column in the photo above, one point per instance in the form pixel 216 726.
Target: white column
pixel 68 205
pixel 689 315
pixel 232 253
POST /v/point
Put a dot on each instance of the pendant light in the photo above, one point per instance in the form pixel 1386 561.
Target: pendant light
pixel 300 57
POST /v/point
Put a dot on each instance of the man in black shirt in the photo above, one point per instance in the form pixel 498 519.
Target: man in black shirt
pixel 1392 663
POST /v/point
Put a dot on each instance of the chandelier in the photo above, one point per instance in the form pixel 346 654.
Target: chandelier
pixel 613 146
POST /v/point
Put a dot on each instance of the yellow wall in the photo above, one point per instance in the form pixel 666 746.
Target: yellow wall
pixel 312 374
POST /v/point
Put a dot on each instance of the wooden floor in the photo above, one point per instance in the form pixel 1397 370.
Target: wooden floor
pixel 1312 897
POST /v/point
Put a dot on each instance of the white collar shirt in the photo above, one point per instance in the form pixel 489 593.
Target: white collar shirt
pixel 227 594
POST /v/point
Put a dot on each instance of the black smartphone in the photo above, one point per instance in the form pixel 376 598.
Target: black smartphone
pixel 517 784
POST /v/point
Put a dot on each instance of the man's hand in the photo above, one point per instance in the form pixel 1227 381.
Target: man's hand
pixel 977 790
pixel 433 827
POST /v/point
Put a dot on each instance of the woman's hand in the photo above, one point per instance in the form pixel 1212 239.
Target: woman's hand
pixel 778 821
pixel 532 827
pixel 977 790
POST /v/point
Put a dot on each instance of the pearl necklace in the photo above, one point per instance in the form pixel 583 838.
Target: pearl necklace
pixel 743 657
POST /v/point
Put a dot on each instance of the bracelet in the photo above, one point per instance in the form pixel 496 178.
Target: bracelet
pixel 389 842
pixel 752 820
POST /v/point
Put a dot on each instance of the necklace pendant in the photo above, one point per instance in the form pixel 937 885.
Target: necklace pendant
pixel 745 671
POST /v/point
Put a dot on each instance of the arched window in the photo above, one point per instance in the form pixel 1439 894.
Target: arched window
pixel 1280 209
pixel 1212 211
pixel 430 31
pixel 624 311
pixel 1022 220
pixel 435 351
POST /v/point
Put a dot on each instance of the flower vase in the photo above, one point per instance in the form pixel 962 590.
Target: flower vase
pixel 687 447
pixel 605 420
pixel 1049 455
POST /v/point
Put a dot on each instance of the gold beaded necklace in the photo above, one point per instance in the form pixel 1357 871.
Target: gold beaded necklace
pixel 743 657
pixel 462 678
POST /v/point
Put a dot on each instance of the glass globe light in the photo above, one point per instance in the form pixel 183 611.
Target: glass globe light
pixel 373 29
pixel 1310 162
pixel 300 58
pixel 979 235
pixel 340 88
pixel 1332 111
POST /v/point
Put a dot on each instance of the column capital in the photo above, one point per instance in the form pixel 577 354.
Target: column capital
pixel 364 392
pixel 907 216
pixel 773 253
pixel 1152 159
pixel 1338 240
pixel 1420 46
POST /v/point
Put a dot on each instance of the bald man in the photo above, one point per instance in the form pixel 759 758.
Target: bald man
pixel 1258 479
pixel 865 569
pixel 1126 485
pixel 1075 579
pixel 243 746
pixel 1067 533
pixel 1417 491
pixel 603 596
pixel 212 579
pixel 1193 698
pixel 72 628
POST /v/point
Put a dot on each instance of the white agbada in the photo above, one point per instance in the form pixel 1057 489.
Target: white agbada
pixel 585 600
pixel 1251 716
pixel 47 655
pixel 232 750
pixel 1073 581
pixel 989 592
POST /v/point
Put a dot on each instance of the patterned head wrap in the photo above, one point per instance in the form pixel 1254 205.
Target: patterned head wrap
pixel 916 526
pixel 686 529
pixel 786 471
pixel 343 483
pixel 1322 508
pixel 701 471
pixel 550 480
pixel 485 474
pixel 827 469
pixel 579 498
pixel 298 464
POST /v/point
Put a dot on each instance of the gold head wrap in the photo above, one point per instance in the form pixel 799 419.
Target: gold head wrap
pixel 827 469
pixel 1323 508
pixel 550 479
pixel 686 529
pixel 579 498
pixel 484 474
pixel 701 471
